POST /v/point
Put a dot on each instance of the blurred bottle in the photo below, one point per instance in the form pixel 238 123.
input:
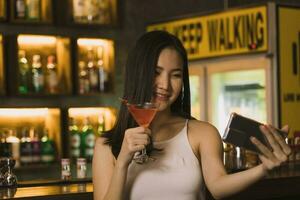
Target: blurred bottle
pixel 25 148
pixel 51 75
pixel 84 83
pixel 75 139
pixel 91 7
pixel 105 12
pixel 47 148
pixel 33 8
pixel 101 124
pixel 24 73
pixel 35 145
pixel 92 71
pixel 87 140
pixel 102 73
pixel 37 74
pixel 15 145
pixel 79 11
pixel 20 9
pixel 5 147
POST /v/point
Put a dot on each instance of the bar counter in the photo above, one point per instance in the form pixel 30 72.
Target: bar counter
pixel 282 184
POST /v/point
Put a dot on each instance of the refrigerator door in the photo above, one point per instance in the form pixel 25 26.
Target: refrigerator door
pixel 238 85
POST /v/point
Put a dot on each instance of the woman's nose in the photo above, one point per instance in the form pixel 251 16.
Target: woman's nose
pixel 163 82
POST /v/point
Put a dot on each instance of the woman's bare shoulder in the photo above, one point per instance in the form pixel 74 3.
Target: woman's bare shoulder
pixel 103 149
pixel 200 130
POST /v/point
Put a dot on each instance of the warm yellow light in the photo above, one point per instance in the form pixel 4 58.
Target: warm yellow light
pixel 36 40
pixel 23 112
pixel 92 42
pixel 77 112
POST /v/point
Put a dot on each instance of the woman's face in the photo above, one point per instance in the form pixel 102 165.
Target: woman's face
pixel 168 79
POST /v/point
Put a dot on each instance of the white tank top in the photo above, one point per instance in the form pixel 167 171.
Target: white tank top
pixel 175 174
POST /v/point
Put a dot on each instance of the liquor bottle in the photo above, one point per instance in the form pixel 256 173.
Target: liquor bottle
pixel 92 71
pixel 47 148
pixel 33 8
pixel 87 140
pixel 105 12
pixel 102 73
pixel 92 11
pixel 35 145
pixel 25 148
pixel 79 11
pixel 101 124
pixel 24 73
pixel 75 139
pixel 51 75
pixel 5 147
pixel 15 145
pixel 20 9
pixel 37 74
pixel 84 83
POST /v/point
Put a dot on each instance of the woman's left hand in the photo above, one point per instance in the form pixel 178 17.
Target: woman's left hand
pixel 280 151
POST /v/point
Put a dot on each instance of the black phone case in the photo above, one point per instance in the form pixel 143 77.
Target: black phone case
pixel 240 129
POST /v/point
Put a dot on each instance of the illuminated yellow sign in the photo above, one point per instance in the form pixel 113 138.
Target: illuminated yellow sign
pixel 227 33
pixel 289 67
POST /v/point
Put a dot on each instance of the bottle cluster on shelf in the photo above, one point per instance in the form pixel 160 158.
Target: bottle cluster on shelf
pixel 27 9
pixel 93 11
pixel 82 137
pixel 31 147
pixel 34 77
pixel 93 75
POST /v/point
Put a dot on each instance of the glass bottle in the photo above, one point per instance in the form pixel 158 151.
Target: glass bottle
pixel 92 10
pixel 75 140
pixel 20 9
pixel 33 8
pixel 35 145
pixel 92 71
pixel 51 75
pixel 87 140
pixel 5 147
pixel 84 83
pixel 37 74
pixel 105 12
pixel 102 73
pixel 79 11
pixel 25 148
pixel 15 145
pixel 101 124
pixel 24 73
pixel 47 148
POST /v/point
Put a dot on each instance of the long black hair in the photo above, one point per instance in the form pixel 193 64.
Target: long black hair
pixel 139 80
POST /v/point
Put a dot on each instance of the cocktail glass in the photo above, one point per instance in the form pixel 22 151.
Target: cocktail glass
pixel 143 114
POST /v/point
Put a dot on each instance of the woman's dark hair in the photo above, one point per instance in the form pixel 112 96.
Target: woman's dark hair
pixel 139 80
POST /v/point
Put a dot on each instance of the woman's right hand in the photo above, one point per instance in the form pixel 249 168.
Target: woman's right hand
pixel 135 139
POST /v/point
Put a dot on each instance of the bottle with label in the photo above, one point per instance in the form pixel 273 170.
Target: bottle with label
pixel 87 140
pixel 47 149
pixel 15 145
pixel 24 73
pixel 51 75
pixel 20 9
pixel 92 71
pixel 37 74
pixel 79 11
pixel 84 83
pixel 101 124
pixel 25 148
pixel 35 145
pixel 75 140
pixel 33 8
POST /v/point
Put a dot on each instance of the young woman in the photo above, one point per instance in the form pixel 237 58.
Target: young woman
pixel 187 153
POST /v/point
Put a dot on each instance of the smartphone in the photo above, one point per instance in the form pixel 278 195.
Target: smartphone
pixel 239 130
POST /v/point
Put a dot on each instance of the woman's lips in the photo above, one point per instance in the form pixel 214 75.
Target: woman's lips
pixel 162 97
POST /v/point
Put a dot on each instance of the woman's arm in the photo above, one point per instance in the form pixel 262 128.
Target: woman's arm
pixel 109 174
pixel 218 182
